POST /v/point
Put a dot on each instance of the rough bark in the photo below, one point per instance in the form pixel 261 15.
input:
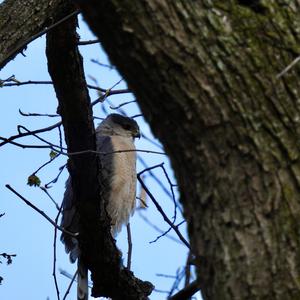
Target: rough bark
pixel 98 249
pixel 20 20
pixel 205 78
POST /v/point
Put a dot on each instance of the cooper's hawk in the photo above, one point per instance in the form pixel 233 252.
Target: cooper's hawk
pixel 118 174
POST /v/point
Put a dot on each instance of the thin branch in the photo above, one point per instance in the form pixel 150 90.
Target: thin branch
pixel 158 229
pixel 158 181
pixel 113 152
pixel 39 138
pixel 108 92
pixel 44 189
pixel 69 287
pixel 37 115
pixel 164 233
pixel 8 257
pixel 47 185
pixel 13 137
pixel 187 292
pixel 291 65
pixel 91 42
pixel 166 276
pixel 102 65
pixel 136 116
pixel 172 190
pixel 129 240
pixel 24 146
pixel 54 254
pixel 28 82
pixel 151 141
pixel 45 164
pixel 10 78
pixel 41 212
pixel 161 210
pixel 122 104
pixel 179 277
pixel 60 137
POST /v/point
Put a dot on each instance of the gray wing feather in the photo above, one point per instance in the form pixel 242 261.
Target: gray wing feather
pixel 104 145
pixel 70 217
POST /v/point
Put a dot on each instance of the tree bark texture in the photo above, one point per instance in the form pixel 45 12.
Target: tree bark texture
pixel 98 249
pixel 20 20
pixel 204 73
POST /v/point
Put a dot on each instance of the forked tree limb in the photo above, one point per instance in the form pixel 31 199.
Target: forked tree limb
pixel 98 248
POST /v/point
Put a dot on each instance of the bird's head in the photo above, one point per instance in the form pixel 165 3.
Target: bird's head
pixel 115 124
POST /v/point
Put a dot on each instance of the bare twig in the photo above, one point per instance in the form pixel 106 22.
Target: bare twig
pixel 129 239
pixel 38 137
pixel 113 152
pixel 158 229
pixel 158 180
pixel 164 233
pixel 44 189
pixel 179 277
pixel 136 116
pixel 24 146
pixel 37 115
pixel 83 43
pixel 70 285
pixel 8 257
pixel 40 212
pixel 187 292
pixel 102 65
pixel 60 137
pixel 175 228
pixel 151 141
pixel 166 276
pixel 291 65
pixel 172 190
pixel 122 104
pixel 9 79
pixel 54 255
pixel 45 164
pixel 108 92
pixel 47 185
pixel 28 82
pixel 13 137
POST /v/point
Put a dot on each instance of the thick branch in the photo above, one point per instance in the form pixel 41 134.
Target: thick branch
pixel 21 20
pixel 187 292
pixel 98 249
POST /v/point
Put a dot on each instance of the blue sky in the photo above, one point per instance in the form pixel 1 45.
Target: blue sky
pixel 30 236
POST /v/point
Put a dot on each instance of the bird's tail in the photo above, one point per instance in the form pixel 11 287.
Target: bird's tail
pixel 82 281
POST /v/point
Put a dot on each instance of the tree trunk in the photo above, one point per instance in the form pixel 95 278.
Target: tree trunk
pixel 205 78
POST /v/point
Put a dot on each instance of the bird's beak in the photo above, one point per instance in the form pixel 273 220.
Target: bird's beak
pixel 137 134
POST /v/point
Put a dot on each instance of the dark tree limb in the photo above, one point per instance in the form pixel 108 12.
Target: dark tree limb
pixel 21 21
pixel 187 292
pixel 98 248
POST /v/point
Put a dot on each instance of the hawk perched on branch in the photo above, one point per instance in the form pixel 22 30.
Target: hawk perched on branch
pixel 118 174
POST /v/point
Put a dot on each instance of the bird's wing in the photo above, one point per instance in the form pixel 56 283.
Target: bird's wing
pixel 70 222
pixel 105 147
